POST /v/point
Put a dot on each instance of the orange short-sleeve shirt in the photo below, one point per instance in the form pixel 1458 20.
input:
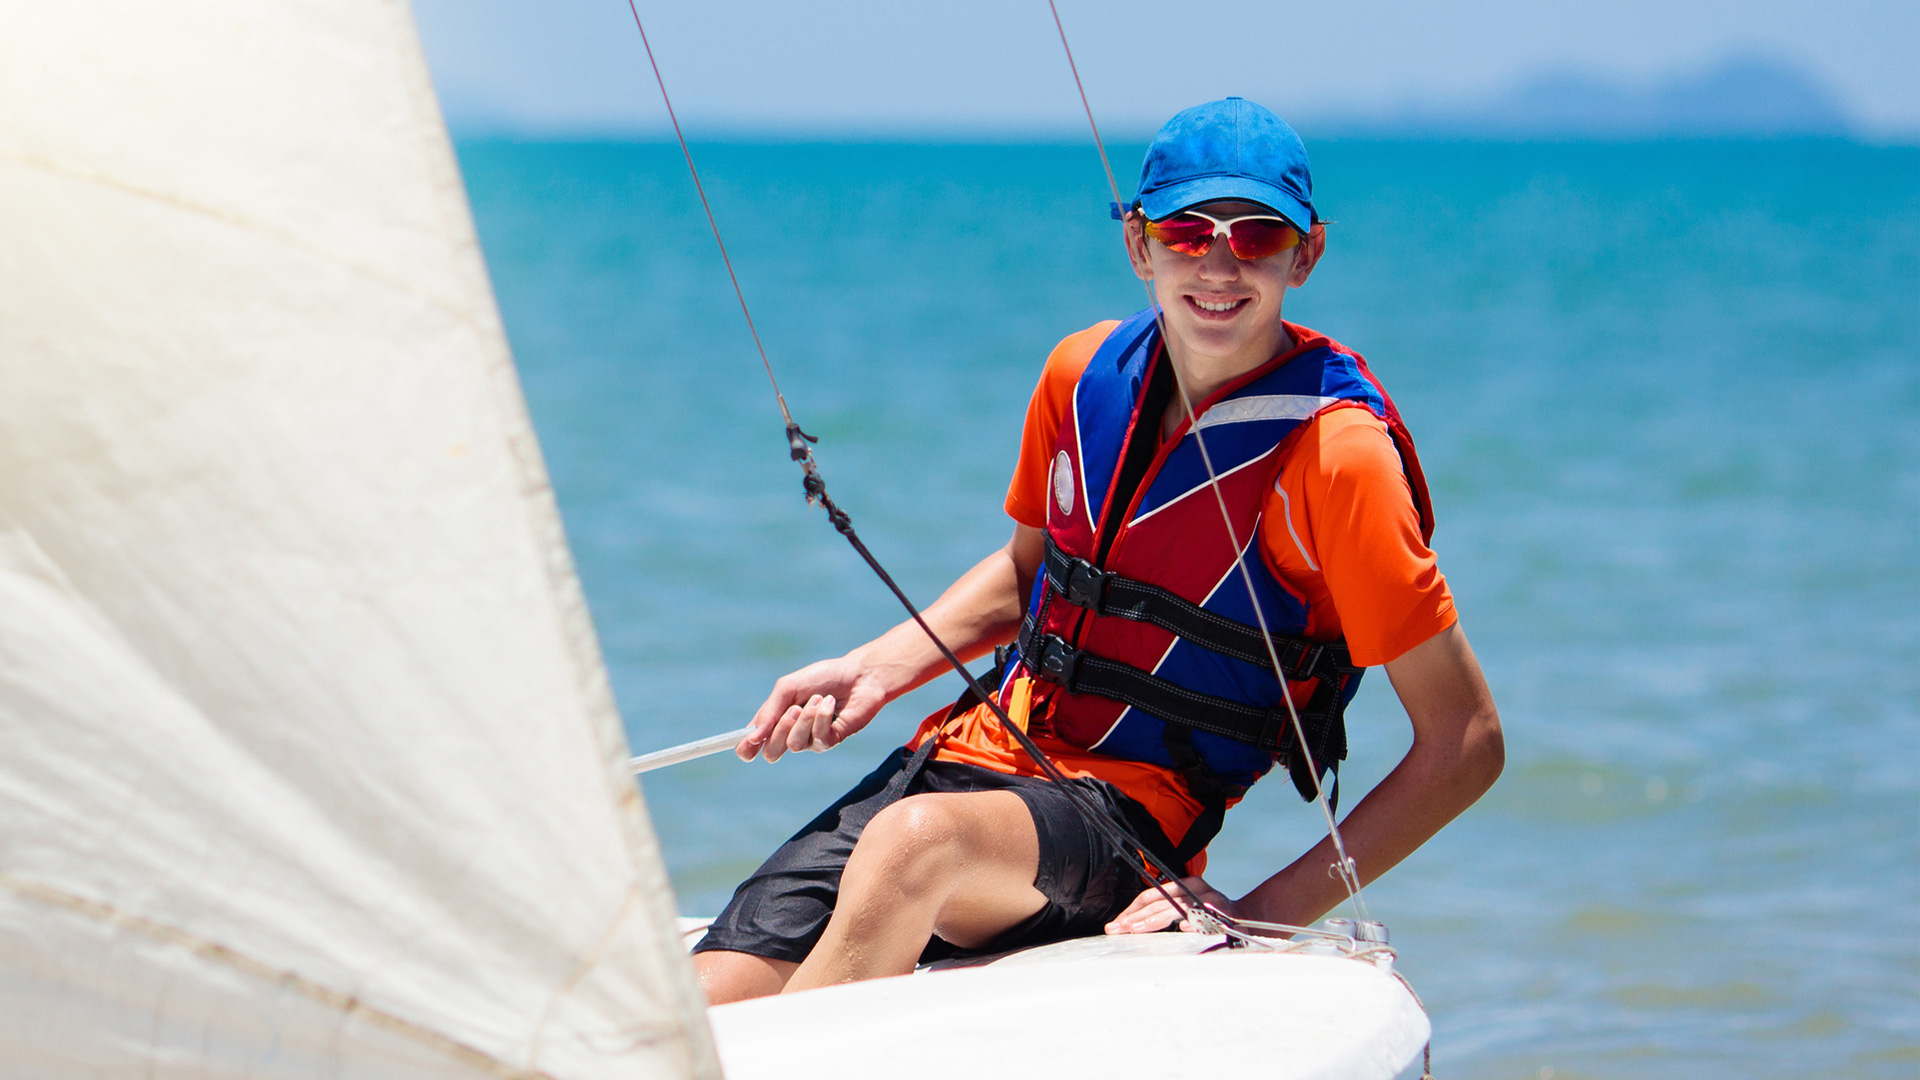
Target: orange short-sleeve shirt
pixel 1339 529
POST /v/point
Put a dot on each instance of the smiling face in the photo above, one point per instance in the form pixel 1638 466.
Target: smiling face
pixel 1222 312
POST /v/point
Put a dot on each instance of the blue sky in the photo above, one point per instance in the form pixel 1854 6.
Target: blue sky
pixel 994 66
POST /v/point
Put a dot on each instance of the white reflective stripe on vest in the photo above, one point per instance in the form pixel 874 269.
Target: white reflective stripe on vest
pixel 1266 407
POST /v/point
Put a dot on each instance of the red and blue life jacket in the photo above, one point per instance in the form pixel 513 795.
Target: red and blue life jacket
pixel 1140 631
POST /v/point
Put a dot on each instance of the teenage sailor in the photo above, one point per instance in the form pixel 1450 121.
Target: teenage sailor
pixel 1137 659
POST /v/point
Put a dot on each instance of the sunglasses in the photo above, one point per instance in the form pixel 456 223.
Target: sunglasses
pixel 1254 236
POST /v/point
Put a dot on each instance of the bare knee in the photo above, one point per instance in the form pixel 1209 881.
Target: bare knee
pixel 735 976
pixel 959 864
pixel 914 846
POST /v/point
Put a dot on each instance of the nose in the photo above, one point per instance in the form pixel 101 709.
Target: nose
pixel 1219 263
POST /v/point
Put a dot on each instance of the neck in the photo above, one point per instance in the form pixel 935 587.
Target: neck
pixel 1203 375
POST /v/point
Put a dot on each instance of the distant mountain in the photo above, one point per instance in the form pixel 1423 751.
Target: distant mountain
pixel 1738 96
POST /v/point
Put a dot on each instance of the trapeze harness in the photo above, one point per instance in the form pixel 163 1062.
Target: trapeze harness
pixel 1141 630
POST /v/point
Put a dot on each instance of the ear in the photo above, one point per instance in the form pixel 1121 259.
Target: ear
pixel 1311 248
pixel 1135 224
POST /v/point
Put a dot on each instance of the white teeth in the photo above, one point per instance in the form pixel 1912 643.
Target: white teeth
pixel 1228 306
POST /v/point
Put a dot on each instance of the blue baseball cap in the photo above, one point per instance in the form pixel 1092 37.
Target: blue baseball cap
pixel 1227 149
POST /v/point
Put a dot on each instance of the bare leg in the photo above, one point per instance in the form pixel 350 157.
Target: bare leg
pixel 961 865
pixel 736 976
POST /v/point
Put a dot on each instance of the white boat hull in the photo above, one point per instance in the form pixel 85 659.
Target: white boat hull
pixel 1146 1005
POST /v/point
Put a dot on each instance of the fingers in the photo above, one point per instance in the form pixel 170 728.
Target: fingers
pixel 821 731
pixel 1143 900
pixel 815 708
pixel 808 725
pixel 1150 911
pixel 845 724
pixel 1147 918
pixel 760 730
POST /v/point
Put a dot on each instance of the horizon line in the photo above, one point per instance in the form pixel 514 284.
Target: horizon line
pixel 467 130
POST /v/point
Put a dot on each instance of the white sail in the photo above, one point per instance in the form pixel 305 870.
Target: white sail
pixel 308 764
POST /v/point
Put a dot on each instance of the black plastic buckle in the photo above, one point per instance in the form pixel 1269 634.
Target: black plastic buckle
pixel 1311 656
pixel 1086 586
pixel 1314 660
pixel 1293 660
pixel 1056 661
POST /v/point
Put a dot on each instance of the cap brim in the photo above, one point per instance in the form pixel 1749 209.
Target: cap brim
pixel 1174 198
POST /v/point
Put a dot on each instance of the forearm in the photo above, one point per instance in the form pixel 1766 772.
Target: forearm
pixel 979 611
pixel 827 701
pixel 1458 752
pixel 1430 787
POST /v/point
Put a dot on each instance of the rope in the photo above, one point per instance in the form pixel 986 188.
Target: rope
pixel 712 224
pixel 1346 868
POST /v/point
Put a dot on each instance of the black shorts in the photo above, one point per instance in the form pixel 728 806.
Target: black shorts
pixel 781 911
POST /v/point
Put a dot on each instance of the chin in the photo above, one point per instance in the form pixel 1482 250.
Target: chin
pixel 1213 339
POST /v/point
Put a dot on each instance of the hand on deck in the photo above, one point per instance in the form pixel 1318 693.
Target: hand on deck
pixel 1150 911
pixel 814 708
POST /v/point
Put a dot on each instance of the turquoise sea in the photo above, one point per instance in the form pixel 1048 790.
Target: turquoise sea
pixel 1668 395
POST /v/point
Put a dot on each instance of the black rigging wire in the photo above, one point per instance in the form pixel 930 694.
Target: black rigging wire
pixel 701 189
pixel 1152 870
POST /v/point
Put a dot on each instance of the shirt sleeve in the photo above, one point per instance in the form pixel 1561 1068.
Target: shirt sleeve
pixel 1027 494
pixel 1381 577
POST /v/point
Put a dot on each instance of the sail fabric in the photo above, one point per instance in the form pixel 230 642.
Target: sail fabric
pixel 308 761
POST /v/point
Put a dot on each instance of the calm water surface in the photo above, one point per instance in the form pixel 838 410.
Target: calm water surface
pixel 1668 395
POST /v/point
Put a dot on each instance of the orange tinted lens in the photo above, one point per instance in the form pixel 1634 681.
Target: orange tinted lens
pixel 1257 238
pixel 1184 233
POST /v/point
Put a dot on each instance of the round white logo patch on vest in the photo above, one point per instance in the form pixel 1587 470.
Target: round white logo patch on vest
pixel 1063 483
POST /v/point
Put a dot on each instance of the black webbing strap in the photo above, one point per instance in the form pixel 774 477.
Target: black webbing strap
pixel 1205 785
pixel 1082 672
pixel 897 787
pixel 991 681
pixel 1270 729
pixel 1103 592
pixel 1325 721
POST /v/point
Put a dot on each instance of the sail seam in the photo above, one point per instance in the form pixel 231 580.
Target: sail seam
pixel 580 972
pixel 214 952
